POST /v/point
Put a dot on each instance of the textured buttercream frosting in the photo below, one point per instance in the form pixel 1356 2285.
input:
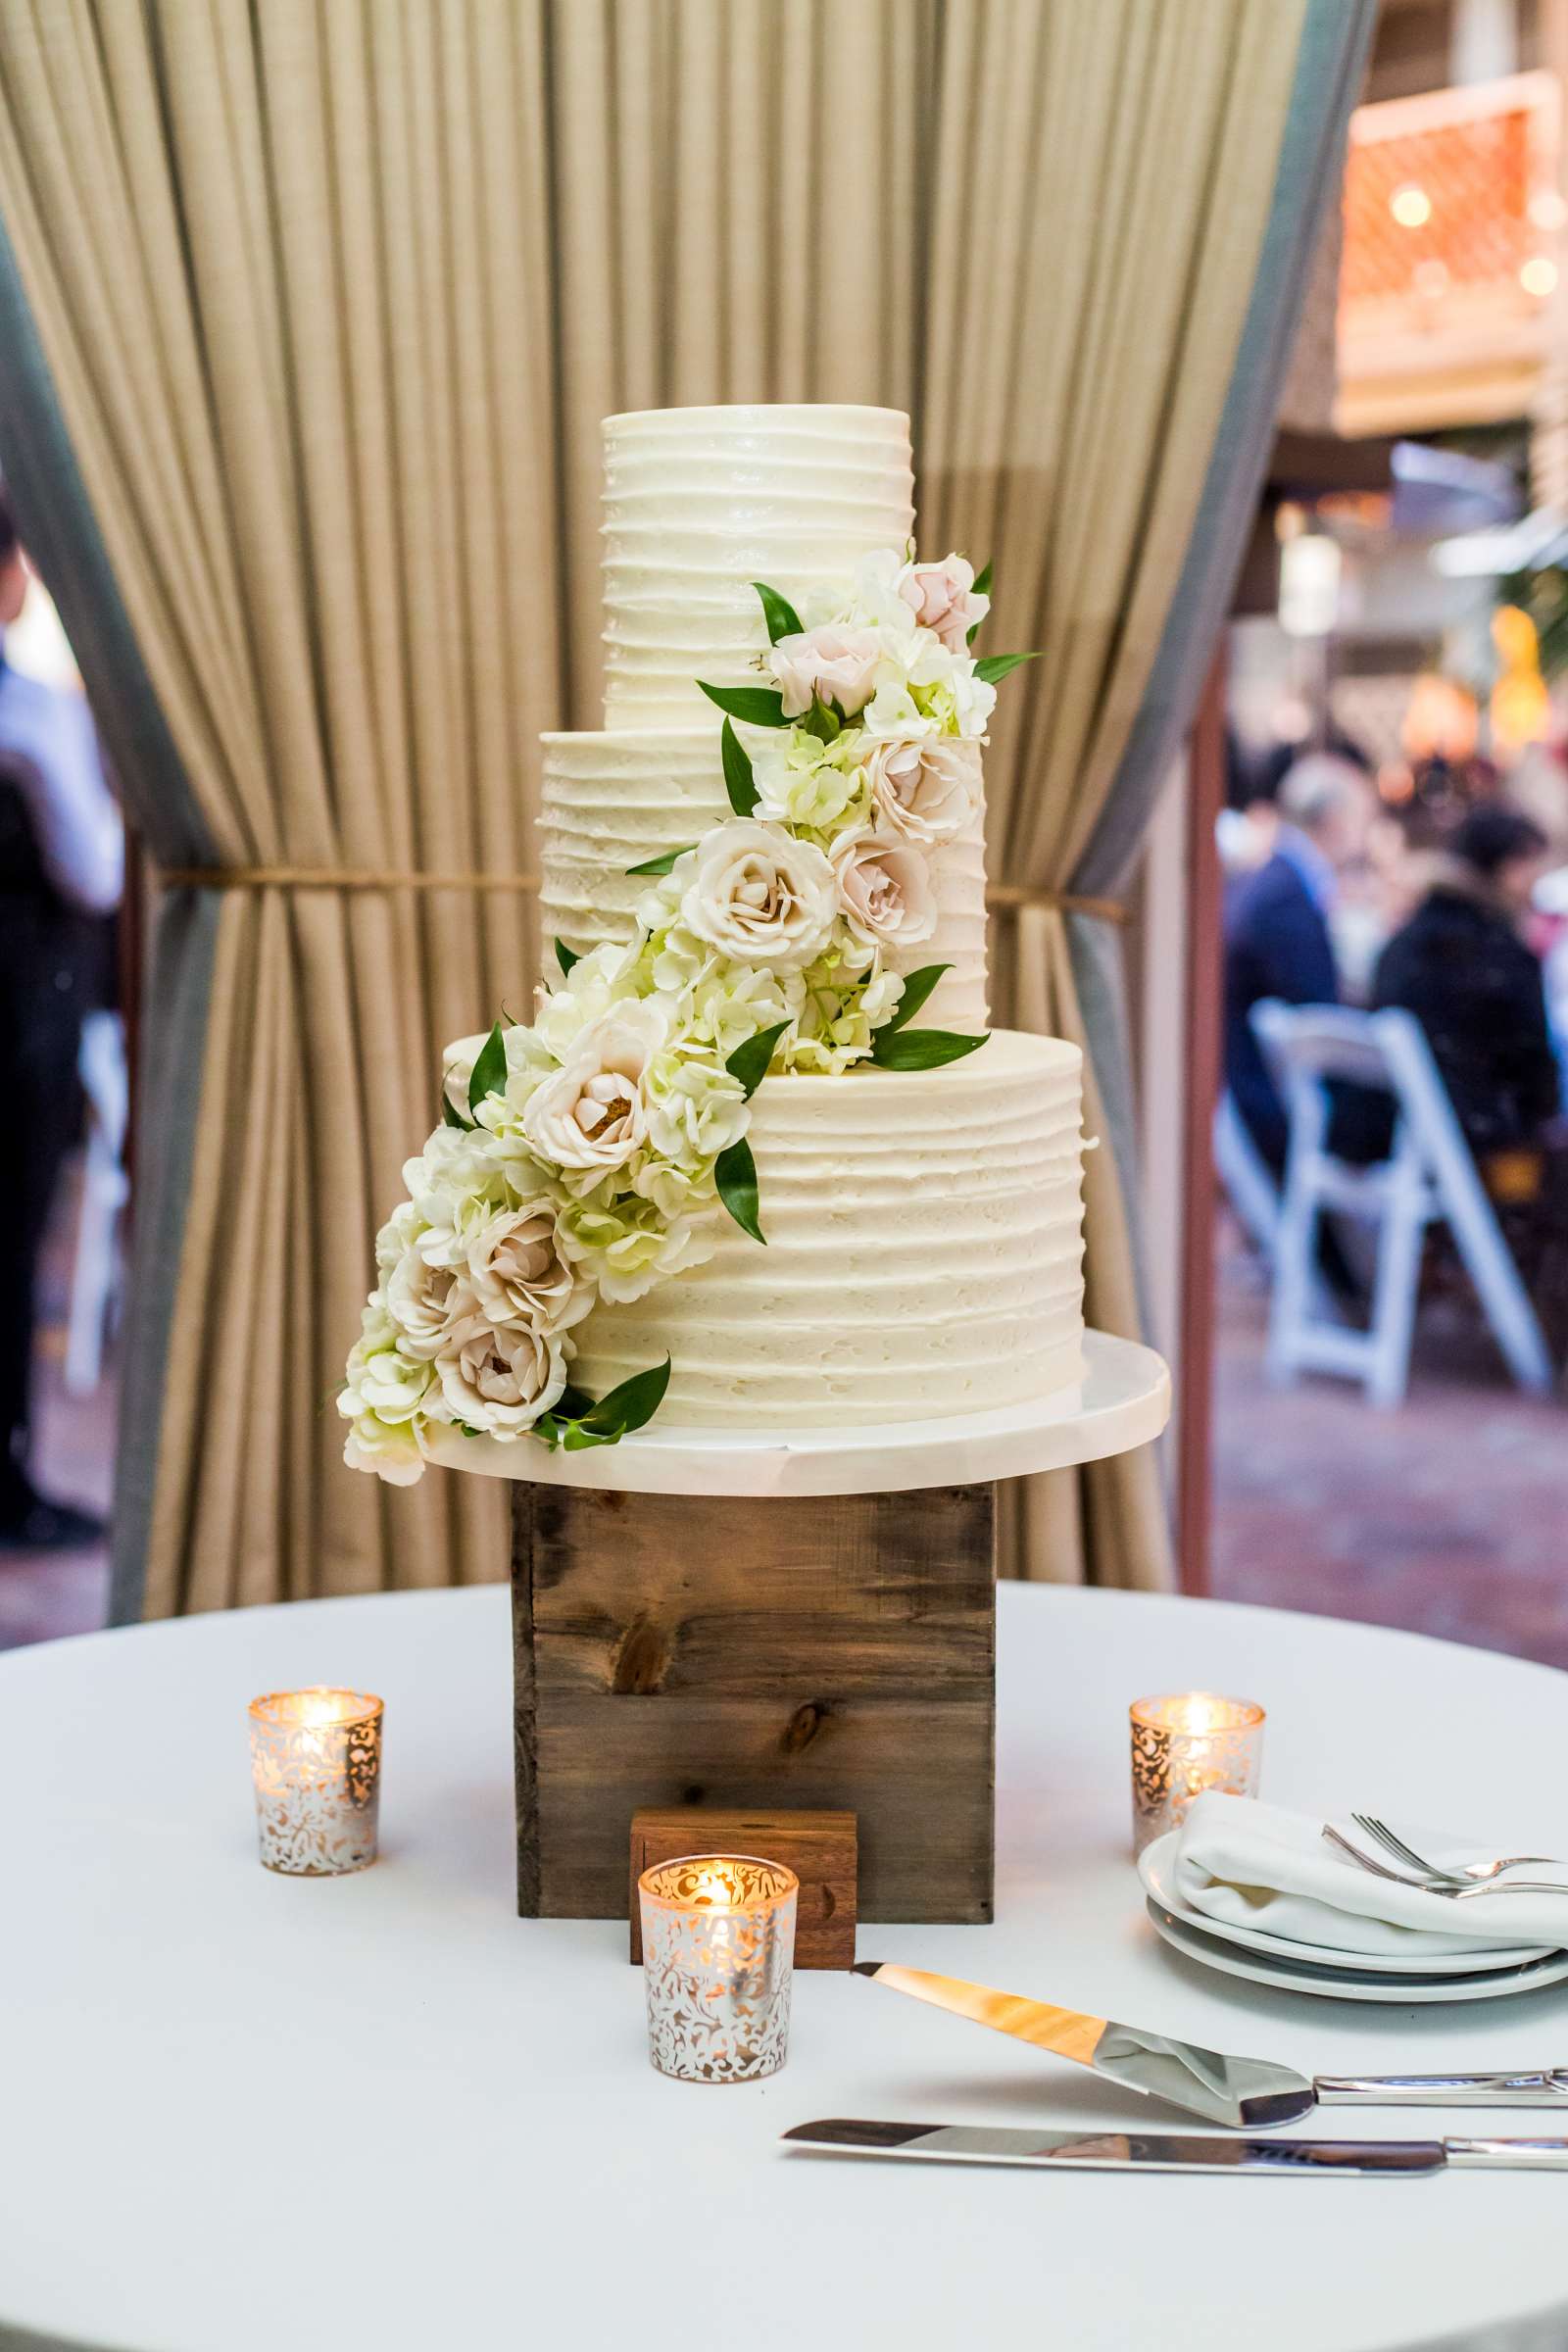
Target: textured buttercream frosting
pixel 612 801
pixel 923 1254
pixel 699 503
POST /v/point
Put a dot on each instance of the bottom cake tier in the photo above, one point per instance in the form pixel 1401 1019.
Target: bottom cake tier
pixel 924 1253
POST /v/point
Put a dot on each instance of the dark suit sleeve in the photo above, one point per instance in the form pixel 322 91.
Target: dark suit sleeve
pixel 1297 952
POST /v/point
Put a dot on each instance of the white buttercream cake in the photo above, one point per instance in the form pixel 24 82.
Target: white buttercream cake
pixel 923 1227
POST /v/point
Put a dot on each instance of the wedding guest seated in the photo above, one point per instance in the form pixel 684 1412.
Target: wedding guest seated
pixel 1277 937
pixel 62 856
pixel 1461 965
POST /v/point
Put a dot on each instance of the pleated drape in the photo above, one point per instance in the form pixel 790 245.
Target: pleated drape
pixel 330 296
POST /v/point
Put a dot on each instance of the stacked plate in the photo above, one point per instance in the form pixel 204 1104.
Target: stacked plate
pixel 1489 1973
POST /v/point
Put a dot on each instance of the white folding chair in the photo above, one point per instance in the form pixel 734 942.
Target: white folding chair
pixel 1250 1186
pixel 104 1189
pixel 1428 1177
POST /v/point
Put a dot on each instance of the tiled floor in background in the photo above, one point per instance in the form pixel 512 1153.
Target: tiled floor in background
pixel 1449 1516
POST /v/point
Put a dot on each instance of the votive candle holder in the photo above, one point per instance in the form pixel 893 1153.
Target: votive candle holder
pixel 316 1764
pixel 1184 1746
pixel 719 1960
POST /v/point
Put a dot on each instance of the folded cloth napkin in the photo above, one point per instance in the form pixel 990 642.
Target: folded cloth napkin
pixel 1257 1866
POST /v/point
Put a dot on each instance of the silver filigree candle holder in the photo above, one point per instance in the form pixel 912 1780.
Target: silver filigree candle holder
pixel 1184 1746
pixel 719 1958
pixel 315 1762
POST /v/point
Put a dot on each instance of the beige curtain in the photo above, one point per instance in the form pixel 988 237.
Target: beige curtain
pixel 333 298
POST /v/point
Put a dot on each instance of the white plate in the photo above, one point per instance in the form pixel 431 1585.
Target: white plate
pixel 1155 1868
pixel 1351 1983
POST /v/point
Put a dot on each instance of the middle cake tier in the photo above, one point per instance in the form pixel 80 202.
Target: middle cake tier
pixel 610 802
pixel 923 1254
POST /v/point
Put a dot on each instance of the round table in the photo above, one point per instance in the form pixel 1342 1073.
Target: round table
pixel 242 2111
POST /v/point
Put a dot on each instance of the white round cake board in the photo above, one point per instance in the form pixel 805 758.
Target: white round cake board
pixel 1123 1400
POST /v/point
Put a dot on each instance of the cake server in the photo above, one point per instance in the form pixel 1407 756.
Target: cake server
pixel 1175 2153
pixel 1249 2092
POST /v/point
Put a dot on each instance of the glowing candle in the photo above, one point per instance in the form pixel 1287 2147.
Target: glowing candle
pixel 719 1958
pixel 1185 1744
pixel 315 1766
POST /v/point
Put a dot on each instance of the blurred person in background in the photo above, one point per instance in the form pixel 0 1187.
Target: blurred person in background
pixel 62 865
pixel 1461 965
pixel 1277 940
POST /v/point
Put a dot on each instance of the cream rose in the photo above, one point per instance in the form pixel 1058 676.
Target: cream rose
pixel 759 895
pixel 836 664
pixel 885 890
pixel 925 788
pixel 592 1114
pixel 427 1301
pixel 517 1274
pixel 501 1381
pixel 942 597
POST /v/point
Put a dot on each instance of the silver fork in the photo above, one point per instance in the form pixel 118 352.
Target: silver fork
pixel 1454 1894
pixel 1480 1872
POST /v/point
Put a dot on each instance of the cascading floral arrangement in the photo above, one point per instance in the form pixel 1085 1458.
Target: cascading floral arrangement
pixel 593 1153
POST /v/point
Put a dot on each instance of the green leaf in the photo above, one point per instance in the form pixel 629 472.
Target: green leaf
pixel 662 863
pixel 565 958
pixel 822 721
pixel 489 1074
pixel 982 587
pixel 749 1062
pixel 576 1422
pixel 920 1049
pixel 735 1174
pixel 452 1116
pixel 992 667
pixel 631 1405
pixel 780 614
pixel 739 781
pixel 758 706
pixel 917 985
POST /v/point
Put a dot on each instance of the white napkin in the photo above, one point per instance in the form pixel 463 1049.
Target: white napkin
pixel 1257 1866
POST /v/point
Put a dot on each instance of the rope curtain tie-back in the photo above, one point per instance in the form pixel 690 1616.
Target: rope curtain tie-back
pixel 1001 898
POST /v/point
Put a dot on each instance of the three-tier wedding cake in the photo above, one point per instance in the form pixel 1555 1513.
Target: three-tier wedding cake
pixel 723 1173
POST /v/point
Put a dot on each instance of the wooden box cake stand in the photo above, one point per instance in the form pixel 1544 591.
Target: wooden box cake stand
pixel 805 1619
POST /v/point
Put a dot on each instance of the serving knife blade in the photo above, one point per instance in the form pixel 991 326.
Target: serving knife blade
pixel 1250 2094
pixel 1173 2152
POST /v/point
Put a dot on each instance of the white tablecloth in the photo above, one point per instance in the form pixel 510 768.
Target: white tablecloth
pixel 239 2112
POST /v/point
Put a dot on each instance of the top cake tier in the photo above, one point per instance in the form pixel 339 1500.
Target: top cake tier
pixel 699 502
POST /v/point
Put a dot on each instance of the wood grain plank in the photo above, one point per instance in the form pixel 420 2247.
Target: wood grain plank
pixel 829 1653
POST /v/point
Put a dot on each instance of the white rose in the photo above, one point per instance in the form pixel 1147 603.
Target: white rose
pixel 694 1111
pixel 427 1301
pixel 925 788
pixel 942 597
pixel 592 1114
pixel 835 664
pixel 501 1381
pixel 885 890
pixel 759 895
pixel 517 1274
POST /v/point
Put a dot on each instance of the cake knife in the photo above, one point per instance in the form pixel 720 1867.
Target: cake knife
pixel 1175 2153
pixel 1252 2094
